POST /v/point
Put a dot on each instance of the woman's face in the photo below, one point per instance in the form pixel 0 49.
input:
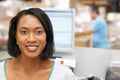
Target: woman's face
pixel 30 36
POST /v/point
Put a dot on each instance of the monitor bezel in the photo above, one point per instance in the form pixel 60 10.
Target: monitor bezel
pixel 69 49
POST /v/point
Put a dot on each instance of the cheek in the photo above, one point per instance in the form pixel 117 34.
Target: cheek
pixel 42 40
pixel 21 39
pixel 41 37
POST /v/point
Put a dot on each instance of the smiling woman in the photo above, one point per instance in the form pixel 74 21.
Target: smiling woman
pixel 31 44
pixel 30 37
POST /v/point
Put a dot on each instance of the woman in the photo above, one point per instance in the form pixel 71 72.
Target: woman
pixel 31 45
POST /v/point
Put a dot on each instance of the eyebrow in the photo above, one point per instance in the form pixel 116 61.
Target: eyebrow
pixel 35 28
pixel 23 27
pixel 39 28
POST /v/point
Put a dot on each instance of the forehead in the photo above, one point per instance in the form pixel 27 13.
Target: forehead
pixel 28 17
pixel 29 20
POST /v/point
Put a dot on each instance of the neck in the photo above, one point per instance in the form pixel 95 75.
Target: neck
pixel 29 65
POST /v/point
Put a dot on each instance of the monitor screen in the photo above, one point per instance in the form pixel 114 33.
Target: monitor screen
pixel 63 27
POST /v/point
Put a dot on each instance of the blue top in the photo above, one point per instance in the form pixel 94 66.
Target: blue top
pixel 100 34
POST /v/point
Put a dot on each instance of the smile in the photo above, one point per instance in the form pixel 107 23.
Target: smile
pixel 32 48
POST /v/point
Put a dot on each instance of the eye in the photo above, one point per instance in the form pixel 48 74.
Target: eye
pixel 38 32
pixel 24 32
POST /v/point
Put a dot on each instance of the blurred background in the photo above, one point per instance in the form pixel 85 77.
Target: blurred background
pixel 109 9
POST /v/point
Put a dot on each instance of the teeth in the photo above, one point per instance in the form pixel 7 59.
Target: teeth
pixel 32 48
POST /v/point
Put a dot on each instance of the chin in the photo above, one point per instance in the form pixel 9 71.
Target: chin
pixel 32 54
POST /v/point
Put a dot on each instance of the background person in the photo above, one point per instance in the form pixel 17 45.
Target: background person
pixel 98 29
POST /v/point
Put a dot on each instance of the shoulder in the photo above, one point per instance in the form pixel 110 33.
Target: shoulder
pixel 2 75
pixel 59 66
pixel 100 19
pixel 62 72
pixel 2 64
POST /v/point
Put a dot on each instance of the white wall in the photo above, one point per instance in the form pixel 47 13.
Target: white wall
pixel 91 61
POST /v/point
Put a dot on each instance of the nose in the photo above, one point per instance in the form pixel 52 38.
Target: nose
pixel 31 37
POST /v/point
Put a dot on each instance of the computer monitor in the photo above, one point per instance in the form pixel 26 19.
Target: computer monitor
pixel 63 27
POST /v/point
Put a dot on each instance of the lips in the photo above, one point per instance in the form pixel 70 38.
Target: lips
pixel 32 47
